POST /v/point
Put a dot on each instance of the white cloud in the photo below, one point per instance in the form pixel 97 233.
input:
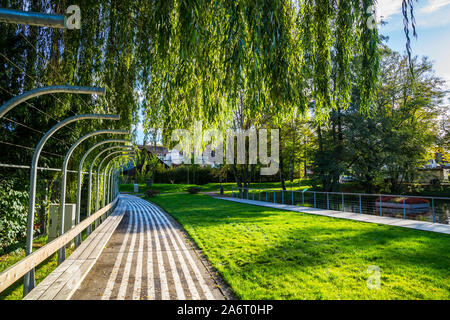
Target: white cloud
pixel 434 5
pixel 387 8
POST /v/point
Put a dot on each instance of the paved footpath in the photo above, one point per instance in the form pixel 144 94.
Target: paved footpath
pixel 148 257
pixel 411 224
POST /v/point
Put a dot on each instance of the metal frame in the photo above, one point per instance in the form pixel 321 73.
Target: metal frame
pixel 80 173
pixel 124 148
pixel 33 18
pixel 10 104
pixel 62 204
pixel 90 178
pixel 29 277
pixel 105 176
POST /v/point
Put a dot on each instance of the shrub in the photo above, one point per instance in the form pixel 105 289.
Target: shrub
pixel 193 190
pixel 152 193
pixel 13 214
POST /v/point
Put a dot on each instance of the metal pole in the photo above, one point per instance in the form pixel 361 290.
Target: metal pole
pixel 404 208
pixel 381 207
pixel 98 171
pixel 62 208
pixel 33 18
pixel 328 201
pixel 434 213
pixel 29 277
pixel 360 206
pixel 8 105
pixel 104 180
pixel 106 174
pixel 80 169
pixel 90 179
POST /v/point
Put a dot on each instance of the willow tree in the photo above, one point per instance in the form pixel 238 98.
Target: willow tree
pixel 278 57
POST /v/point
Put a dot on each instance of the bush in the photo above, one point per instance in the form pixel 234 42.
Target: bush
pixel 13 215
pixel 193 190
pixel 152 193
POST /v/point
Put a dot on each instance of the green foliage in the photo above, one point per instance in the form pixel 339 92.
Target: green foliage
pixel 13 214
pixel 386 149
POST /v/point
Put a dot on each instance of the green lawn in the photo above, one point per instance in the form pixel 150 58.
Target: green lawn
pixel 15 291
pixel 265 253
pixel 176 188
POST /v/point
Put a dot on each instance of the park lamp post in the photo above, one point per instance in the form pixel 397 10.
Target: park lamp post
pixel 62 251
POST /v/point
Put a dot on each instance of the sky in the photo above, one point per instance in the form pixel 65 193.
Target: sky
pixel 433 29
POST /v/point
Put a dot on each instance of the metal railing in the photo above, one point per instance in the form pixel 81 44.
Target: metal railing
pixel 423 208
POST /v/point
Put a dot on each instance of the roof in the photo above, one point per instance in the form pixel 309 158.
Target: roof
pixel 155 150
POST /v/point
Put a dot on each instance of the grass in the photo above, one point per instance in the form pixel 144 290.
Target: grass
pixel 15 291
pixel 266 253
pixel 177 188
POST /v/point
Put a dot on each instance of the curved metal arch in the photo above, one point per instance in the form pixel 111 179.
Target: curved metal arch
pixel 80 173
pixel 62 204
pixel 10 104
pixel 98 177
pixel 29 277
pixel 107 174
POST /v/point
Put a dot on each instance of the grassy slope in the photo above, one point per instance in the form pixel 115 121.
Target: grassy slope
pixel 271 254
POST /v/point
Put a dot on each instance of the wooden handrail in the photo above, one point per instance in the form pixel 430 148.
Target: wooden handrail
pixel 19 269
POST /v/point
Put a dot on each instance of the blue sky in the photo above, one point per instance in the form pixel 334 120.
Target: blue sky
pixel 433 28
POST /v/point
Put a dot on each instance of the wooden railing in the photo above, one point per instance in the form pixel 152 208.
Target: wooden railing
pixel 18 270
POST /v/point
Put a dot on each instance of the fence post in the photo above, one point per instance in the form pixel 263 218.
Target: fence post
pixel 434 213
pixel 292 197
pixel 303 199
pixel 381 207
pixel 274 198
pixel 328 201
pixel 360 206
pixel 404 209
pixel 282 196
pixel 315 200
pixel 343 203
